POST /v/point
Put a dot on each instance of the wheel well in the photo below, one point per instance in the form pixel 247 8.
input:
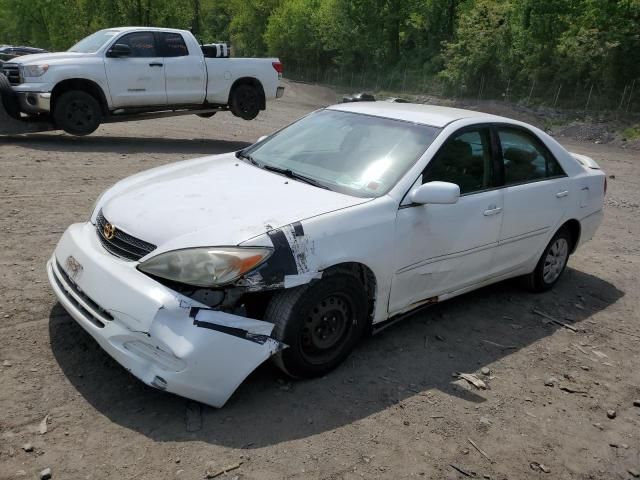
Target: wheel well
pixel 92 88
pixel 362 273
pixel 254 82
pixel 574 229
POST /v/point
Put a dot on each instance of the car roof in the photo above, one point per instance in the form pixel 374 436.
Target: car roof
pixel 433 115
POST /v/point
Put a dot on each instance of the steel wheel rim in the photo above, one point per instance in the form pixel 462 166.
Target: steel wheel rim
pixel 327 326
pixel 79 113
pixel 555 260
pixel 247 101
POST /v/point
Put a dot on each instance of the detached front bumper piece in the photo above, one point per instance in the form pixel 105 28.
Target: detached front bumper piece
pixel 167 340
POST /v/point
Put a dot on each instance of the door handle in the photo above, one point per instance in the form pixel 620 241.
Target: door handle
pixel 564 193
pixel 492 211
pixel 155 64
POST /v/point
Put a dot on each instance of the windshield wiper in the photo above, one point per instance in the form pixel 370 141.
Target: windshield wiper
pixel 283 171
pixel 249 158
pixel 296 176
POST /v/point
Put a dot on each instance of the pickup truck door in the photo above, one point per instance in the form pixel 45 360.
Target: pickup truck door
pixel 184 69
pixel 137 80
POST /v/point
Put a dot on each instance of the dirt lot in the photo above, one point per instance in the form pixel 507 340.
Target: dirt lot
pixel 392 411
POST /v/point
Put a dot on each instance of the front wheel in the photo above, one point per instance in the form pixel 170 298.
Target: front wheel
pixel 552 263
pixel 321 323
pixel 77 113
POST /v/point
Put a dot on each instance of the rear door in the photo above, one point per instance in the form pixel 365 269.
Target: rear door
pixel 184 70
pixel 137 80
pixel 445 248
pixel 537 196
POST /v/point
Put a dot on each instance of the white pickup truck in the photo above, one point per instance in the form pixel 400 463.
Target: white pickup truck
pixel 131 73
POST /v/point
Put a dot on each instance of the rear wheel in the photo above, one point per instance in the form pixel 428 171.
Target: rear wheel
pixel 77 112
pixel 245 102
pixel 552 263
pixel 8 97
pixel 320 323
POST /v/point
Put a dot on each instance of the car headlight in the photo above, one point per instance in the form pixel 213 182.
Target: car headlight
pixel 205 267
pixel 34 70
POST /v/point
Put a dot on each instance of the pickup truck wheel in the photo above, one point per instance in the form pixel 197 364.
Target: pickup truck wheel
pixel 77 113
pixel 245 102
pixel 8 96
pixel 320 323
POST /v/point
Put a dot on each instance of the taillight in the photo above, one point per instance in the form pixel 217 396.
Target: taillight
pixel 278 67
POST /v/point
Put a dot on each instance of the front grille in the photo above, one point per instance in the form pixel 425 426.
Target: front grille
pixel 12 72
pixel 122 245
pixel 90 309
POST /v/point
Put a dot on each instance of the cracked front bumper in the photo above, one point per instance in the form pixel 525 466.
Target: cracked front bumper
pixel 151 330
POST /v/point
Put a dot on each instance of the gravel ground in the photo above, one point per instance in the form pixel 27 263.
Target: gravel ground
pixel 393 410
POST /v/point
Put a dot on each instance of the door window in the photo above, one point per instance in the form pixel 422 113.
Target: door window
pixel 465 159
pixel 142 44
pixel 525 159
pixel 173 45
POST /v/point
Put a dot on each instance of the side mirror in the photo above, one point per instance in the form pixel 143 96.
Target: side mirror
pixel 435 193
pixel 262 138
pixel 119 50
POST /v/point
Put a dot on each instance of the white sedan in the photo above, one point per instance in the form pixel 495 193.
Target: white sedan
pixel 191 275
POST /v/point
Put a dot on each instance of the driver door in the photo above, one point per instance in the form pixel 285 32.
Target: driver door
pixel 137 80
pixel 444 248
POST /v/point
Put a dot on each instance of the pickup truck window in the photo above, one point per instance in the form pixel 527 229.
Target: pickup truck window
pixel 172 45
pixel 142 44
pixel 93 42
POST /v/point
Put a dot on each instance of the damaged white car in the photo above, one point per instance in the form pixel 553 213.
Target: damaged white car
pixel 191 275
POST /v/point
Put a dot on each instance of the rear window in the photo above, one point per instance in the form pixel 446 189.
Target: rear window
pixel 173 45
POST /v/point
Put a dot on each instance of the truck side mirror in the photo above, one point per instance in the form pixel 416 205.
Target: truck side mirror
pixel 119 50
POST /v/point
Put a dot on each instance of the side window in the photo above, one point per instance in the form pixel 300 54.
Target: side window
pixel 465 159
pixel 525 158
pixel 173 45
pixel 142 44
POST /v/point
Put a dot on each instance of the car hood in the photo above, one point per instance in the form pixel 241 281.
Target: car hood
pixel 218 201
pixel 39 58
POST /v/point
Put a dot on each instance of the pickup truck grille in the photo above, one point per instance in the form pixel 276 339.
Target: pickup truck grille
pixel 12 72
pixel 122 244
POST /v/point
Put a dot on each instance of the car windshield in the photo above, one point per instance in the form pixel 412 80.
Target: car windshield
pixel 352 153
pixel 93 42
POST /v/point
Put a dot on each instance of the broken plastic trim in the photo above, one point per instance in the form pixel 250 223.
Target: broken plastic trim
pixel 259 338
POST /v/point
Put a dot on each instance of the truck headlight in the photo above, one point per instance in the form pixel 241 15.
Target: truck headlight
pixel 207 266
pixel 34 70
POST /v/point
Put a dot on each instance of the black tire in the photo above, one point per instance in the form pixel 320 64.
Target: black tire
pixel 551 265
pixel 77 113
pixel 206 115
pixel 321 324
pixel 245 102
pixel 9 98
